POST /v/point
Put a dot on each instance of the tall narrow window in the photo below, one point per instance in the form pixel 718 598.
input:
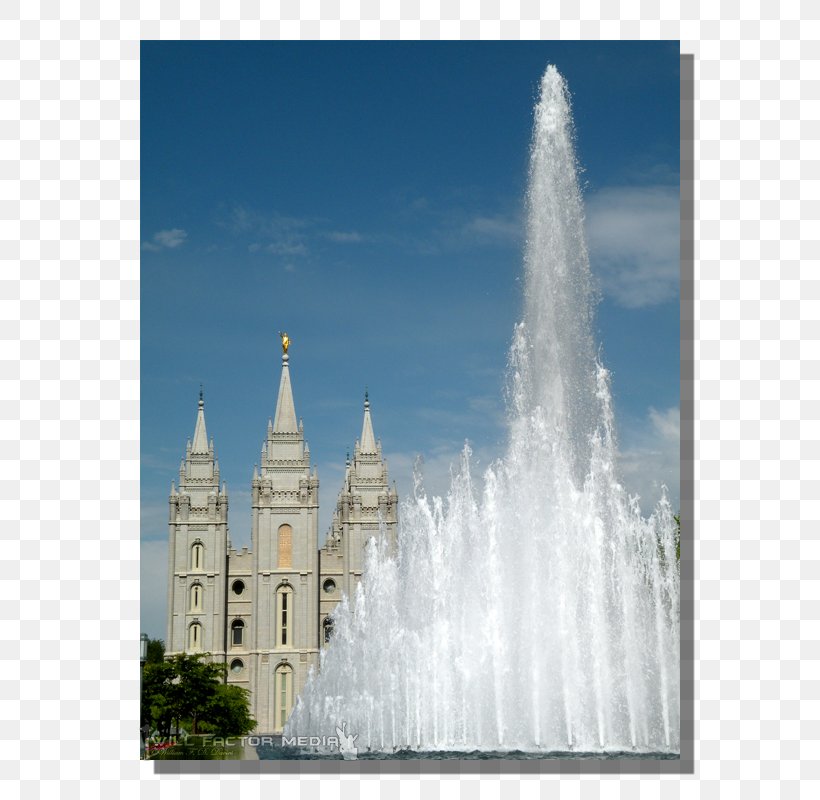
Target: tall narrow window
pixel 327 627
pixel 196 597
pixel 284 616
pixel 285 547
pixel 195 637
pixel 237 632
pixel 198 556
pixel 284 695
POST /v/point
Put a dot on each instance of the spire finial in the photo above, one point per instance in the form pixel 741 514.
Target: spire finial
pixel 366 398
pixel 201 400
pixel 285 345
pixel 284 421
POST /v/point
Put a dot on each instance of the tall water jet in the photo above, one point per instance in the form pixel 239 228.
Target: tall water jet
pixel 541 613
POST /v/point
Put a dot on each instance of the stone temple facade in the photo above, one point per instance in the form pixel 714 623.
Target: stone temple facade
pixel 265 612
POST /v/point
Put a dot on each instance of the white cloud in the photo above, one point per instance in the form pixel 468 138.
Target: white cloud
pixel 666 423
pixel 168 239
pixel 650 456
pixel 171 238
pixel 345 237
pixel 286 247
pixel 270 232
pixel 500 228
pixel 283 235
pixel 634 242
pixel 241 219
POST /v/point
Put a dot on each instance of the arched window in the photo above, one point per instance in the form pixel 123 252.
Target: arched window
pixel 285 547
pixel 284 616
pixel 327 628
pixel 196 597
pixel 283 699
pixel 237 632
pixel 197 556
pixel 195 636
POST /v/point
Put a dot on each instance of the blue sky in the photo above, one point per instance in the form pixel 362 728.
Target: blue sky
pixel 367 198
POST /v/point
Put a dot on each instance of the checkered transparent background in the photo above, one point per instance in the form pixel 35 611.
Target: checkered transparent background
pixel 69 393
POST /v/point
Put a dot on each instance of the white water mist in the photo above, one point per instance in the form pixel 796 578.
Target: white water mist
pixel 541 613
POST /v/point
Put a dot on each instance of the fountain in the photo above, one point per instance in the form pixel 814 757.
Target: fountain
pixel 541 613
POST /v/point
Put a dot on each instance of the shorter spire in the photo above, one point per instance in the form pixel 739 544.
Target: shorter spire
pixel 368 440
pixel 200 442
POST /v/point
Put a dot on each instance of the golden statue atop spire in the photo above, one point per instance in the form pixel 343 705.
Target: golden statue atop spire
pixel 285 342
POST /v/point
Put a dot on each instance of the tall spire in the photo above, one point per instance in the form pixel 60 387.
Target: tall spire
pixel 285 419
pixel 200 443
pixel 368 441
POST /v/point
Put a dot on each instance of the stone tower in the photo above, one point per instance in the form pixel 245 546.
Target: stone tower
pixel 197 551
pixel 283 641
pixel 367 506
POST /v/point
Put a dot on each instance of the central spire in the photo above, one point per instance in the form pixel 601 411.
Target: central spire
pixel 285 419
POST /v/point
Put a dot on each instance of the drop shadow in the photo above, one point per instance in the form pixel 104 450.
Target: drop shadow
pixel 686 764
pixel 687 412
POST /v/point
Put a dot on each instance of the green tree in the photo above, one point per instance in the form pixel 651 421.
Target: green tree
pixel 179 688
pixel 156 651
pixel 228 713
pixel 158 696
pixel 188 687
pixel 676 538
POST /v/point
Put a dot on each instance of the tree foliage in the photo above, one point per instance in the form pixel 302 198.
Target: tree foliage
pixel 188 687
pixel 229 713
pixel 159 707
pixel 156 651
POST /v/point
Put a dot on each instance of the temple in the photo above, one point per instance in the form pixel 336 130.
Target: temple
pixel 266 612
